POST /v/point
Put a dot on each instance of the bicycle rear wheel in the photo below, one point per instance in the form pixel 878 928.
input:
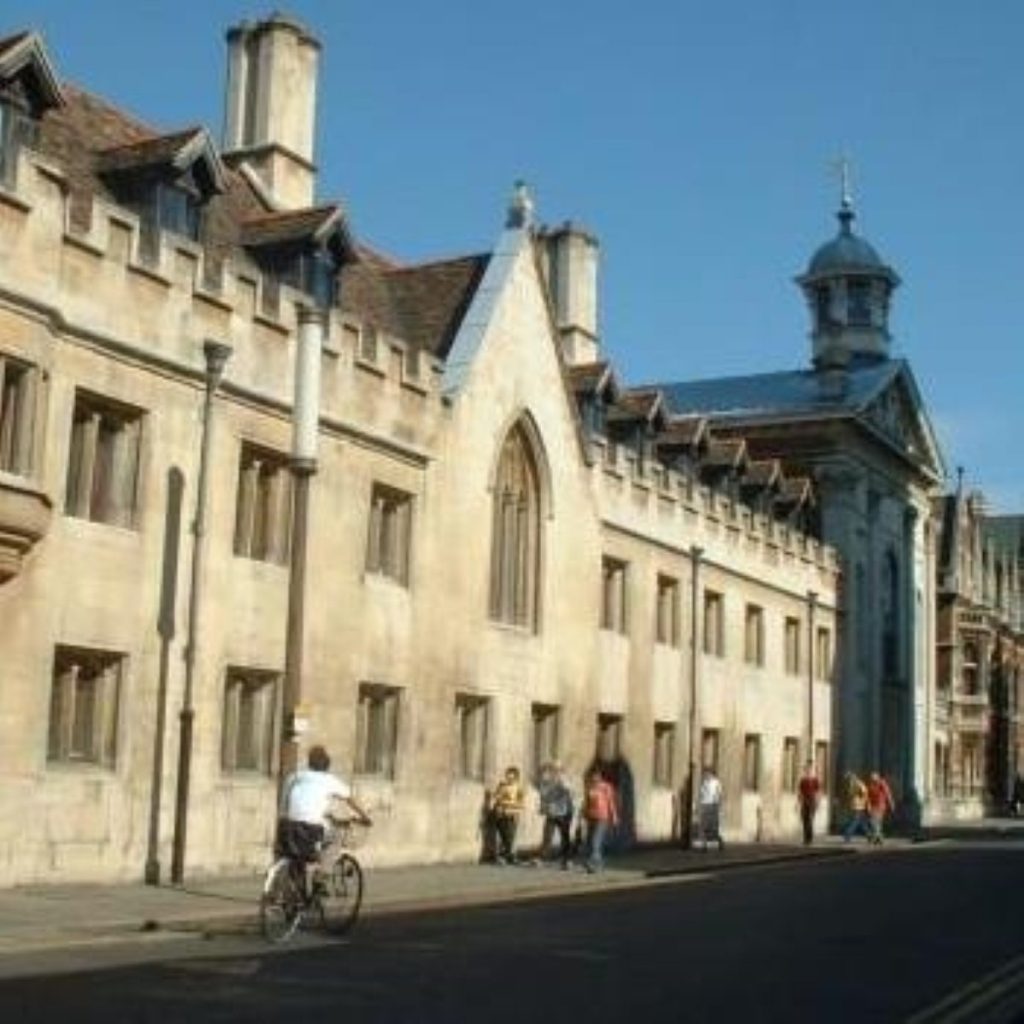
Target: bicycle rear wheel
pixel 280 902
pixel 344 895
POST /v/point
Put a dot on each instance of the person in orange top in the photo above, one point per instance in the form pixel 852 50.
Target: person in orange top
pixel 880 803
pixel 600 811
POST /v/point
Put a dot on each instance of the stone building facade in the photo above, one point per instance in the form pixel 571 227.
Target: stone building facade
pixel 855 423
pixel 979 743
pixel 510 556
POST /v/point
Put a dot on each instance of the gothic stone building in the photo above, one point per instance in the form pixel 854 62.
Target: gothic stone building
pixel 510 556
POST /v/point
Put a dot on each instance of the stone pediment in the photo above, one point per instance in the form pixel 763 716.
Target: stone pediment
pixel 897 415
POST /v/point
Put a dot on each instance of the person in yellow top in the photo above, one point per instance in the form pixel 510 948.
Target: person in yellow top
pixel 856 808
pixel 506 805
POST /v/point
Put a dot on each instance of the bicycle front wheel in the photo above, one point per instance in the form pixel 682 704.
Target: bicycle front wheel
pixel 280 902
pixel 344 895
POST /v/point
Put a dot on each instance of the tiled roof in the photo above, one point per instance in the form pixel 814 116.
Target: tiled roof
pixel 762 473
pixel 726 453
pixel 682 432
pixel 157 149
pixel 422 304
pixel 283 226
pixel 636 404
pixel 432 298
pixel 75 135
pixel 764 395
pixel 585 378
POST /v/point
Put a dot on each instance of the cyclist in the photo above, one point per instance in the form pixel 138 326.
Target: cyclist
pixel 308 799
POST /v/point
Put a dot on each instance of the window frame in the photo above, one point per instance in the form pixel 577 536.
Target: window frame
pixel 713 623
pixel 545 736
pixel 754 654
pixel 791 645
pixel 667 611
pixel 753 773
pixel 242 681
pixel 790 764
pixel 389 533
pixel 614 595
pixel 664 755
pixel 66 730
pixel 711 739
pixel 263 505
pixel 18 383
pixel 378 724
pixel 608 739
pixel 467 708
pixel 104 432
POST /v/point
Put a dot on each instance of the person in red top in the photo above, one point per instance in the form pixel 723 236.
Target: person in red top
pixel 880 802
pixel 808 796
pixel 601 814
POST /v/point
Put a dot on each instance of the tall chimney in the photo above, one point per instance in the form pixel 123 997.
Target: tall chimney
pixel 571 257
pixel 270 115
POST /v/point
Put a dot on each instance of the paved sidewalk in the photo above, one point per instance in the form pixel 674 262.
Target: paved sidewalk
pixel 50 917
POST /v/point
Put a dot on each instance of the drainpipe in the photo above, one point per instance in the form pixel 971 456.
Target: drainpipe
pixel 306 417
pixel 689 794
pixel 812 605
pixel 166 630
pixel 216 357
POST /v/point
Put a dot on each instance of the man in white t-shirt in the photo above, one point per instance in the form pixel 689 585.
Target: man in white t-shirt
pixel 709 801
pixel 309 799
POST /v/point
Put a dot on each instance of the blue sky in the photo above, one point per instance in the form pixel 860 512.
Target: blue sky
pixel 693 138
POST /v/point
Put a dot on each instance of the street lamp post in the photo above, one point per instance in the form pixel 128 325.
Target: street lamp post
pixel 696 553
pixel 216 355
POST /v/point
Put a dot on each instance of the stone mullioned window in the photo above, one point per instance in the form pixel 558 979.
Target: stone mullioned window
pixel 103 461
pixel 390 533
pixel 250 720
pixel 84 706
pixel 263 510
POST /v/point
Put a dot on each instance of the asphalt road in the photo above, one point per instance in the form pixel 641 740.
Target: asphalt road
pixel 868 938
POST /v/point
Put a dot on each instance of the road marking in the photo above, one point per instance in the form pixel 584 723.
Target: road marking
pixel 990 993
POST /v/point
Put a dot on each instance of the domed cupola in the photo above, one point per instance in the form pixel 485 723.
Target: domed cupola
pixel 848 288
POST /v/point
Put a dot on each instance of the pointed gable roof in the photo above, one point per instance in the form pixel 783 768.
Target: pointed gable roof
pixel 178 152
pixel 24 56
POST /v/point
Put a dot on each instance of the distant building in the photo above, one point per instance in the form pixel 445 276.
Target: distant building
pixel 979 742
pixel 512 557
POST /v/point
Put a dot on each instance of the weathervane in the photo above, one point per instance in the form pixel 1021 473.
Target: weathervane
pixel 842 168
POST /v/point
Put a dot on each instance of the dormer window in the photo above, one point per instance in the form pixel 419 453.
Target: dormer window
pixel 178 210
pixel 166 180
pixel 28 87
pixel 302 249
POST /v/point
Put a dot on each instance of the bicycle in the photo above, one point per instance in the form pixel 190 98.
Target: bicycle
pixel 292 894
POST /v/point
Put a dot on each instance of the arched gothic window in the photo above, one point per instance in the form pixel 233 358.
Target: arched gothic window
pixel 515 547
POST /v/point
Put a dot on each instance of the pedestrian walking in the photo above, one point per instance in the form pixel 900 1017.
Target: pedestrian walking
pixel 880 803
pixel 1017 795
pixel 856 808
pixel 556 805
pixel 808 796
pixel 600 811
pixel 507 804
pixel 709 804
